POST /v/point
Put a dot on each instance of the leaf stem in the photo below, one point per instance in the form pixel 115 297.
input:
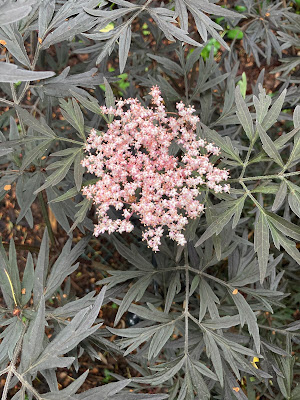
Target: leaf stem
pixel 282 331
pixel 252 198
pixel 248 155
pixel 69 140
pixel 264 177
pixel 27 385
pixel 11 103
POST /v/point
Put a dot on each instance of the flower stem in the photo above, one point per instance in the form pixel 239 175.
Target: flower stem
pixel 186 303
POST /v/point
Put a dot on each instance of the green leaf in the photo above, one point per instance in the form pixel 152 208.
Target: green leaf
pixel 160 338
pixel 215 238
pixel 13 270
pixel 28 279
pixel 247 316
pixel 4 281
pixel 167 63
pixel 35 153
pixel 267 188
pixel 167 373
pixel 283 139
pixel 9 338
pixel 73 114
pixel 294 202
pixel 38 125
pixel 104 392
pixel 262 104
pixel 134 293
pixel 198 381
pixel 262 244
pixel 12 73
pixel 280 196
pixel 234 207
pixel 12 12
pixel 26 198
pixel 296 391
pixel 243 84
pixel 68 195
pixel 243 114
pixel 225 144
pixel 295 154
pixel 284 226
pixel 213 82
pixel 119 277
pixel 124 46
pixel 208 300
pixel 289 247
pixel 88 102
pixel 214 354
pixel 296 117
pixel 46 12
pixel 41 270
pixel 33 340
pixel 85 206
pixel 235 34
pixel 238 212
pixel 60 173
pixel 63 266
pixel 173 288
pixel 110 100
pixel 203 369
pixel 81 326
pixel 194 284
pixel 269 146
pixel 78 170
pixel 133 256
pixel 274 112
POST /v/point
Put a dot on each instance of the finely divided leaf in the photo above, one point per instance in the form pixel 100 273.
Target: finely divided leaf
pixel 12 73
pixel 41 269
pixel 12 12
pixel 222 220
pixel 38 125
pixel 296 117
pixel 105 392
pixel 274 112
pixel 33 340
pixel 280 196
pixel 262 244
pixel 247 316
pixel 269 146
pixel 124 46
pixel 294 202
pixel 46 12
pixel 159 339
pixel 284 226
pixel 213 353
pixel 243 114
pixel 133 256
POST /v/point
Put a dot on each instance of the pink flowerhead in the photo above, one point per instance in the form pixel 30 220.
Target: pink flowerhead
pixel 138 174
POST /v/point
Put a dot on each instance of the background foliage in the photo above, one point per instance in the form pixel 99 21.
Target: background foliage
pixel 216 319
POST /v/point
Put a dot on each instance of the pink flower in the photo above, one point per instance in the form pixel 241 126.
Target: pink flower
pixel 138 175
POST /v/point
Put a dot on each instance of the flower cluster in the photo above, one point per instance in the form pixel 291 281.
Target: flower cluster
pixel 139 175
